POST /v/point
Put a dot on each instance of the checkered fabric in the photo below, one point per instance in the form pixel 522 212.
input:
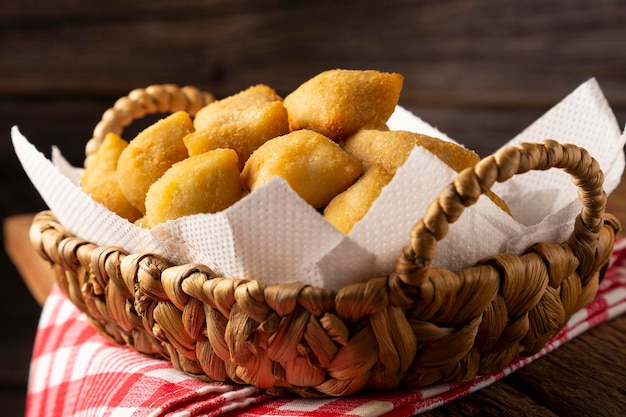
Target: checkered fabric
pixel 75 372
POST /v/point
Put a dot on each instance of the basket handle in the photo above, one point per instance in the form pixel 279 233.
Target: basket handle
pixel 155 98
pixel 414 263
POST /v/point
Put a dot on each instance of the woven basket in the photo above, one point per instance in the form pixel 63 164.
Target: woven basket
pixel 418 326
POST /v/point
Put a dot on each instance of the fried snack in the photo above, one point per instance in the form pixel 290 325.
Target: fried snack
pixel 243 130
pixel 100 178
pixel 106 157
pixel 252 96
pixel 314 166
pixel 152 152
pixel 391 149
pixel 347 208
pixel 338 103
pixel 205 183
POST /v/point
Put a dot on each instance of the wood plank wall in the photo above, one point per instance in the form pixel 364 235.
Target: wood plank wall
pixel 479 70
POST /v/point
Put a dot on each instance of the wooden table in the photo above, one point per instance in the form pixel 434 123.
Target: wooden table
pixel 584 377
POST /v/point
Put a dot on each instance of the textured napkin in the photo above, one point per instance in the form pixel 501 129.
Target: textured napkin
pixel 75 372
pixel 273 236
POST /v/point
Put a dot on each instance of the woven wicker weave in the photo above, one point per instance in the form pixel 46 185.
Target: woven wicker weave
pixel 418 326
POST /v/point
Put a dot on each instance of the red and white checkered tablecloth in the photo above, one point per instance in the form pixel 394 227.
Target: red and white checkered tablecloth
pixel 75 372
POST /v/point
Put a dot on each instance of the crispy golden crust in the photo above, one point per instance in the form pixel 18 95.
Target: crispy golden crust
pixel 349 207
pixel 250 97
pixel 205 183
pixel 313 165
pixel 150 154
pixel 392 148
pixel 243 130
pixel 338 103
pixel 106 157
pixel 100 178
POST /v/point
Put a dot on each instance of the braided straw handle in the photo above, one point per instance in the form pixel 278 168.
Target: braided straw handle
pixel 143 101
pixel 414 263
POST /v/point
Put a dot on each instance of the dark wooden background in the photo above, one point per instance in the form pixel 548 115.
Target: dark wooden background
pixel 479 70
